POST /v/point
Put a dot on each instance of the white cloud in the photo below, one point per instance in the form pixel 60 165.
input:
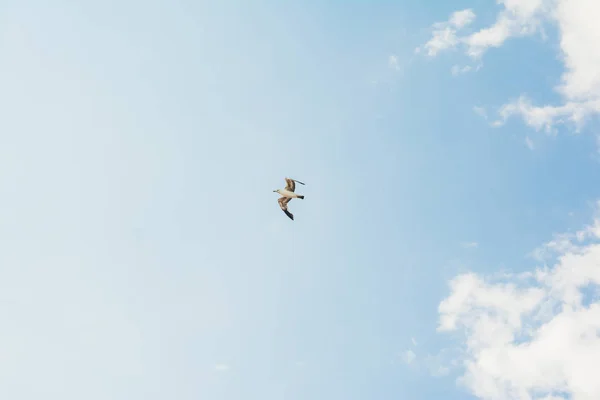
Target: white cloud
pixel 535 335
pixel 579 35
pixel 547 117
pixel 457 70
pixel 460 19
pixel 413 341
pixel 470 245
pixel 518 18
pixel 442 39
pixel 580 83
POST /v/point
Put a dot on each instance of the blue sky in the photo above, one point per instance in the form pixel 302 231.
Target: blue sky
pixel 144 253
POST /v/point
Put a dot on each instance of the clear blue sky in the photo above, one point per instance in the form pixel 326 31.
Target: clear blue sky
pixel 144 255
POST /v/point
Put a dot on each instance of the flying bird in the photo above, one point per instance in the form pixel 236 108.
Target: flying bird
pixel 287 194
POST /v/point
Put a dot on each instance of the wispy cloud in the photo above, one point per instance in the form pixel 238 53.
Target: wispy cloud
pixel 517 19
pixel 408 357
pixel 442 363
pixel 393 62
pixel 458 70
pixel 470 245
pixel 480 111
pixel 579 84
pixel 444 33
pixel 529 143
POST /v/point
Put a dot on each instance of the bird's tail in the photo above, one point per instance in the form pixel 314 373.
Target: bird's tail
pixel 301 197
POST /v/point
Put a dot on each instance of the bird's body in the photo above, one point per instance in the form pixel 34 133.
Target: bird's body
pixel 287 194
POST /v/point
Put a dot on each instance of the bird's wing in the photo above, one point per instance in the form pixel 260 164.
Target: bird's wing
pixel 283 201
pixel 289 214
pixel 290 184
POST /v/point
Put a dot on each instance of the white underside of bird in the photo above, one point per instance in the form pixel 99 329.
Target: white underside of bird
pixel 288 194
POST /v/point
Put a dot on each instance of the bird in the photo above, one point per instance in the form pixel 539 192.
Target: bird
pixel 287 194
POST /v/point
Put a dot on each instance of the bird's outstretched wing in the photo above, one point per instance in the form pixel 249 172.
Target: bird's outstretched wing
pixel 283 202
pixel 290 185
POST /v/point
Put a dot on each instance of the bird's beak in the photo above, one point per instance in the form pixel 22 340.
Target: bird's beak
pixel 274 190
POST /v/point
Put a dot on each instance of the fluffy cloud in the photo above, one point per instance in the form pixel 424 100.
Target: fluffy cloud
pixel 547 117
pixel 518 18
pixel 579 34
pixel 535 335
pixel 460 19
